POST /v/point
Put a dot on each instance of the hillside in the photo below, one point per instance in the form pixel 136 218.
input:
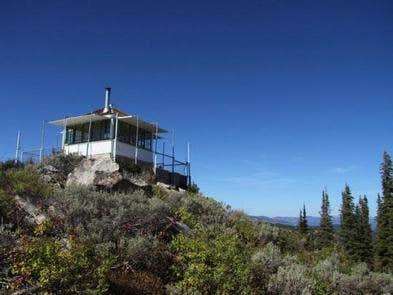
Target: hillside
pixel 313 221
pixel 67 239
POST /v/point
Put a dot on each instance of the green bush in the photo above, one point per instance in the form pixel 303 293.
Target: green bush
pixel 193 188
pixel 10 164
pixel 213 261
pixel 264 263
pixel 28 182
pixel 61 265
pixel 292 279
pixel 7 206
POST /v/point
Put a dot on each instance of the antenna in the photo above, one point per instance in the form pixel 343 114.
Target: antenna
pixel 42 141
pixel 17 150
pixel 107 99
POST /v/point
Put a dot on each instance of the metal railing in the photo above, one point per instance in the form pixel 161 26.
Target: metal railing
pixel 169 163
pixel 37 155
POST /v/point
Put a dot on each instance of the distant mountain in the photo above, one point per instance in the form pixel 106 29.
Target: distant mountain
pixel 293 221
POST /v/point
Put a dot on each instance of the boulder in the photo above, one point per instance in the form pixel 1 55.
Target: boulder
pixel 86 172
pixel 103 173
pixel 34 215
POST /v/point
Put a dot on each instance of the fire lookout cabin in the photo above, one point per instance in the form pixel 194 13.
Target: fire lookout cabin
pixel 111 132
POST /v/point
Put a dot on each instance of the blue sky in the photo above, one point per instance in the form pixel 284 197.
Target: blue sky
pixel 278 98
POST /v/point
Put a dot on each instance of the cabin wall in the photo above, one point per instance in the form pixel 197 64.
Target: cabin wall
pixel 94 148
pixel 128 151
pixel 105 147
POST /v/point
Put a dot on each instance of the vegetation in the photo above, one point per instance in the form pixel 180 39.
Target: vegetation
pixel 101 242
pixel 303 224
pixel 326 231
pixel 384 235
pixel 348 223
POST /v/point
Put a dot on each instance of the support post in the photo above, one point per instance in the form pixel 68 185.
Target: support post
pixel 155 148
pixel 17 150
pixel 188 164
pixel 163 153
pixel 42 141
pixel 111 136
pixel 64 139
pixel 115 140
pixel 136 140
pixel 173 157
pixel 88 139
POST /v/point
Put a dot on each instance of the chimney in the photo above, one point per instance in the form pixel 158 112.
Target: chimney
pixel 107 99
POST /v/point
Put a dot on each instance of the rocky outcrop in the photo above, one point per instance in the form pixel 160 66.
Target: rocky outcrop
pixel 85 173
pixel 103 173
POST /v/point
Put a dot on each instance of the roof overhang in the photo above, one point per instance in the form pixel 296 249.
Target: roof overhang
pixel 151 127
pixel 132 120
pixel 69 121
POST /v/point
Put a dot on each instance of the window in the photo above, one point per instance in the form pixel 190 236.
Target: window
pixel 124 133
pixel 100 130
pixel 70 136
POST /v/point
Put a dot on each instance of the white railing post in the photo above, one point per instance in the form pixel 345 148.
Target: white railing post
pixel 155 148
pixel 115 140
pixel 88 139
pixel 136 140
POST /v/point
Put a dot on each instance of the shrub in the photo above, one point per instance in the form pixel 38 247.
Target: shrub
pixel 206 210
pixel 264 263
pixel 144 266
pixel 266 233
pixel 212 262
pixel 292 279
pixel 269 258
pixel 10 164
pixel 64 163
pixel 102 216
pixel 28 182
pixel 7 206
pixel 61 265
pixel 243 226
pixel 362 281
pixel 193 188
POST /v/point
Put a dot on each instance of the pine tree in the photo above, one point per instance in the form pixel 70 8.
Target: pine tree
pixel 348 224
pixel 379 204
pixel 384 235
pixel 303 224
pixel 326 231
pixel 364 238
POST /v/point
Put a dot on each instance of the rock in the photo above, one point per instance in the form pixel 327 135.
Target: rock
pixel 34 214
pixel 164 186
pixel 50 174
pixel 86 172
pixel 50 169
pixel 104 173
pixel 107 179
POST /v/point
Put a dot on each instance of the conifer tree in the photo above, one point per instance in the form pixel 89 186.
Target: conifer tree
pixel 303 224
pixel 364 238
pixel 326 231
pixel 379 204
pixel 348 223
pixel 384 235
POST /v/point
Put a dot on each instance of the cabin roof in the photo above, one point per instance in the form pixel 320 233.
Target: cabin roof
pixel 98 115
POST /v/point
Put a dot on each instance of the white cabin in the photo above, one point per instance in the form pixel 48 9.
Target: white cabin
pixel 110 131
